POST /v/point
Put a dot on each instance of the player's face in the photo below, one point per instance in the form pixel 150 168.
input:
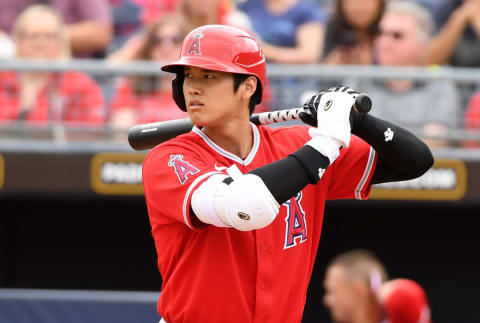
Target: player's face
pixel 210 98
pixel 339 295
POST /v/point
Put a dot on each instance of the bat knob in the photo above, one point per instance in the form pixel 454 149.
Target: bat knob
pixel 363 103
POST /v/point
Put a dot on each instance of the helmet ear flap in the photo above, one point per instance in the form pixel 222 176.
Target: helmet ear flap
pixel 177 92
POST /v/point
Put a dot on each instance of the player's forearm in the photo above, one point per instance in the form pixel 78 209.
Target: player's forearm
pixel 402 155
pixel 288 176
pixel 252 201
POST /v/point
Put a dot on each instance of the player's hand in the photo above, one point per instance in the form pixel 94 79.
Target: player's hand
pixel 331 111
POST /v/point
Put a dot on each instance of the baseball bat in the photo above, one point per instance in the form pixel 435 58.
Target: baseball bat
pixel 148 135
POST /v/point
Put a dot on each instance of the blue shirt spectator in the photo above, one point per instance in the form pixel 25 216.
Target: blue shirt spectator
pixel 282 26
pixel 127 21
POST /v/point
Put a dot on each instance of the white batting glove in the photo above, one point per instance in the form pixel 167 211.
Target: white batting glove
pixel 332 112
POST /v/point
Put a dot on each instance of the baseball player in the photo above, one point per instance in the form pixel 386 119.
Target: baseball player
pixel 236 209
pixel 357 290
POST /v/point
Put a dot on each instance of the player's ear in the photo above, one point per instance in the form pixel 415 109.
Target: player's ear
pixel 249 87
pixel 360 290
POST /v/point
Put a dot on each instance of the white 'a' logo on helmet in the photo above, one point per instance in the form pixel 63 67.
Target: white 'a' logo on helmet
pixel 195 45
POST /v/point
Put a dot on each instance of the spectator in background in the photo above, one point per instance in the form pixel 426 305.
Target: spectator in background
pixel 143 99
pixel 130 18
pixel 127 22
pixel 154 9
pixel 207 12
pixel 432 106
pixel 357 291
pixel 290 31
pixel 457 40
pixel 89 24
pixel 351 31
pixel 42 97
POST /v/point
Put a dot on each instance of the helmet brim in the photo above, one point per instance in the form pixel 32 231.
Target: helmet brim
pixel 205 63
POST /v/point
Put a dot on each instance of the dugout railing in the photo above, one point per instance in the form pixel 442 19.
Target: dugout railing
pixel 289 86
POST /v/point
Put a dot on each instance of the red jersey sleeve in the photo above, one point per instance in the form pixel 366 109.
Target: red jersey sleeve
pixel 351 173
pixel 171 172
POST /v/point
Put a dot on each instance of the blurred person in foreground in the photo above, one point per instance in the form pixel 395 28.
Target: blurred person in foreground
pixel 357 291
pixel 43 97
pixel 289 31
pixel 351 31
pixel 88 23
pixel 432 106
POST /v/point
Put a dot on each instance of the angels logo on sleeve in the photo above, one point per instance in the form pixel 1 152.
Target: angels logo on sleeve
pixel 182 168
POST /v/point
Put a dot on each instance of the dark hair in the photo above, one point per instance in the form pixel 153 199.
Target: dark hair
pixel 339 28
pixel 150 83
pixel 256 97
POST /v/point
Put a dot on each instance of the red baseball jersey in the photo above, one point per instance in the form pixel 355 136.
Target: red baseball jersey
pixel 213 274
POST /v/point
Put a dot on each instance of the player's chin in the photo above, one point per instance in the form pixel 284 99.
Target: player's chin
pixel 197 118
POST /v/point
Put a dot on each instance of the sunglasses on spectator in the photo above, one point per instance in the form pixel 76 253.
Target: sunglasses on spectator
pixel 397 35
pixel 176 40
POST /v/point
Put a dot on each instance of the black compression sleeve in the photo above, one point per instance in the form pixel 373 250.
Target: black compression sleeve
pixel 401 155
pixel 288 176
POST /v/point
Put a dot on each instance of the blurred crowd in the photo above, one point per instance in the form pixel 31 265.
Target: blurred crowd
pixel 399 33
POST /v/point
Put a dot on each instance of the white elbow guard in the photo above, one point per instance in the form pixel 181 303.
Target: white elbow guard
pixel 244 204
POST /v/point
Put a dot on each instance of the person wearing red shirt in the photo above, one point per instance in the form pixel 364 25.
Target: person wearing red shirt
pixel 472 113
pixel 71 98
pixel 236 209
pixel 45 97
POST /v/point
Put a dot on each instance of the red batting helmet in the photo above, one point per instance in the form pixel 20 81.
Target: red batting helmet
pixel 219 48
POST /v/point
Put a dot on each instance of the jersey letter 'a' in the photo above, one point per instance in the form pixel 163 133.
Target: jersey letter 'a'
pixel 195 45
pixel 296 226
pixel 181 167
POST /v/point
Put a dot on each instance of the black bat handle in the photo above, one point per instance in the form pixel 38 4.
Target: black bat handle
pixel 363 103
